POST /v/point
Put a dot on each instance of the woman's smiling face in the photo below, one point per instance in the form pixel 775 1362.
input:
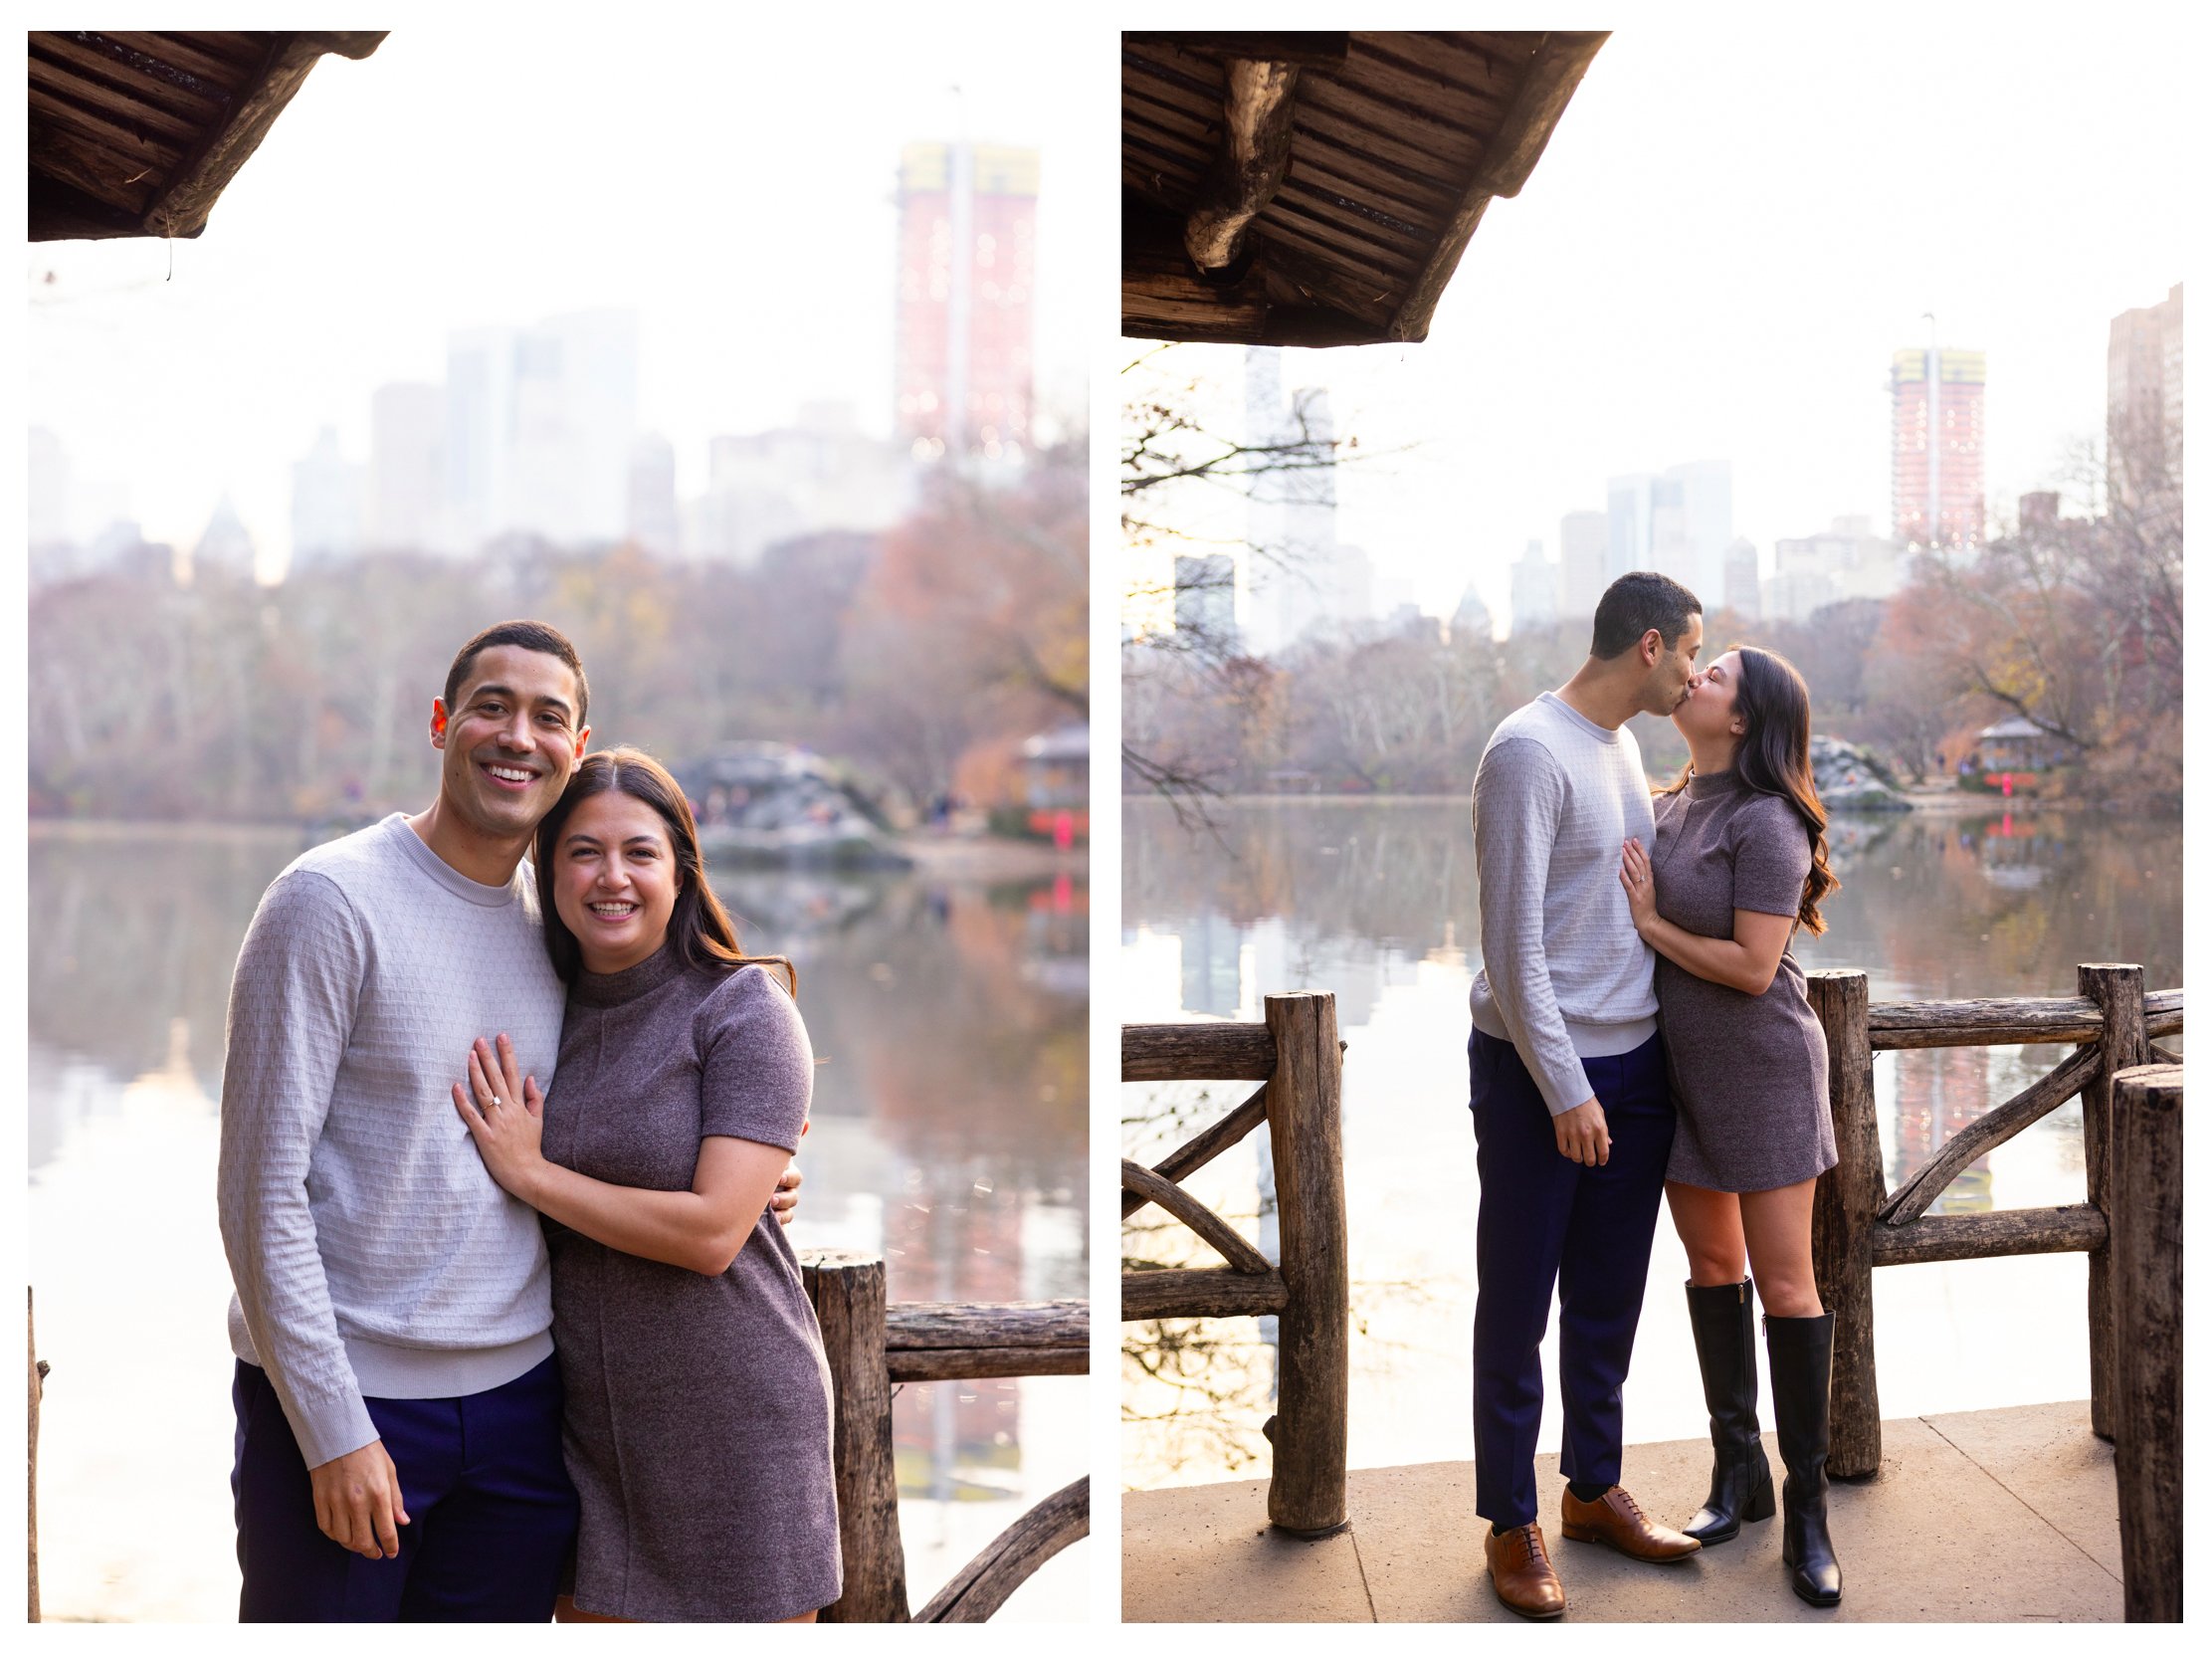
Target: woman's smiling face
pixel 615 881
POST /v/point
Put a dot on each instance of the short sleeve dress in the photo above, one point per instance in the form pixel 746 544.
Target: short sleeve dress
pixel 696 1422
pixel 1749 1071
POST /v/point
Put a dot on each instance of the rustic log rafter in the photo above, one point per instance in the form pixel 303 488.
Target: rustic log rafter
pixel 1549 81
pixel 1258 101
pixel 65 195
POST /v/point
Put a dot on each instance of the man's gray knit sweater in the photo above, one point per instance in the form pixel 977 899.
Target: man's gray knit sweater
pixel 1564 975
pixel 372 1253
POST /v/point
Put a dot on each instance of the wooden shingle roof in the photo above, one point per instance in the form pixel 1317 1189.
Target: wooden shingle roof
pixel 136 134
pixel 1319 188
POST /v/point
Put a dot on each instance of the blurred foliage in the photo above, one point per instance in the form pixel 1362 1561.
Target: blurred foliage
pixel 225 699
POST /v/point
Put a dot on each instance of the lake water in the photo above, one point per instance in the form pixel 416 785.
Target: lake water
pixel 1376 903
pixel 948 1136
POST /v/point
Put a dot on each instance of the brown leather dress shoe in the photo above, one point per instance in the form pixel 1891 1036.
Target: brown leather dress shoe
pixel 1614 1519
pixel 1520 1572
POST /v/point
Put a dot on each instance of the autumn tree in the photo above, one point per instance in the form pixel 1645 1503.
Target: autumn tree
pixel 2073 623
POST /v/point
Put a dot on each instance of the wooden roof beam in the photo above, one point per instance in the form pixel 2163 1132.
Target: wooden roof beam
pixel 1307 48
pixel 1554 71
pixel 190 195
pixel 1258 101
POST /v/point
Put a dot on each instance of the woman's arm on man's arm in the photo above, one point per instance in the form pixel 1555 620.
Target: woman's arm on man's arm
pixel 703 1227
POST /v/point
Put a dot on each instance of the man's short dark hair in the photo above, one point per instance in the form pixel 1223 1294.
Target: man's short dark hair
pixel 1638 602
pixel 518 634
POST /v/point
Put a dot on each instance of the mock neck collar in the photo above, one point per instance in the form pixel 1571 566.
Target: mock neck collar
pixel 622 986
pixel 1712 786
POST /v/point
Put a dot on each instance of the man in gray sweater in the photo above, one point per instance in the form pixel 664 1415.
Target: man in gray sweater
pixel 1567 1083
pixel 398 1404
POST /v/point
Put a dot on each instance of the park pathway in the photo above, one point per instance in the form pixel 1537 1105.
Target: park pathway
pixel 2003 1514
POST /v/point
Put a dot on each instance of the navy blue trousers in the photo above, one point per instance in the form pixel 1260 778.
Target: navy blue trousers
pixel 1544 1218
pixel 491 1513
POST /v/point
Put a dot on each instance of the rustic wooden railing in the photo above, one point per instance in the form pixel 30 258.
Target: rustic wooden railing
pixel 2129 1224
pixel 1297 1056
pixel 873 1344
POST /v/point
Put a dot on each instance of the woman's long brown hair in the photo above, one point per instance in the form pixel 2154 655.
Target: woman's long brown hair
pixel 700 926
pixel 1775 756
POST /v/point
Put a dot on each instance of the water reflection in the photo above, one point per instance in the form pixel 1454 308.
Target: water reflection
pixel 948 1135
pixel 1378 903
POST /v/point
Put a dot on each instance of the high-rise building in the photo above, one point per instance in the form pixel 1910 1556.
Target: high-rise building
pixel 575 417
pixel 1471 618
pixel 1678 523
pixel 964 340
pixel 2143 399
pixel 1849 561
pixel 1935 447
pixel 1703 491
pixel 1206 600
pixel 327 494
pixel 1535 591
pixel 406 471
pixel 224 545
pixel 47 484
pixel 1739 580
pixel 1298 575
pixel 773 486
pixel 1584 541
pixel 538 427
pixel 1628 533
pixel 650 520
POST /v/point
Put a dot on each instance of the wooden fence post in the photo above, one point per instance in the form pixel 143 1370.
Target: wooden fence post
pixel 1844 1206
pixel 1306 1494
pixel 30 1328
pixel 849 1300
pixel 2147 1304
pixel 2118 992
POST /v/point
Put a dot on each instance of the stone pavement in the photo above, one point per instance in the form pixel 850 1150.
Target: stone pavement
pixel 2006 1514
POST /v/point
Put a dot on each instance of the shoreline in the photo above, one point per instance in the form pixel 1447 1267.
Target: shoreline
pixel 1934 801
pixel 943 857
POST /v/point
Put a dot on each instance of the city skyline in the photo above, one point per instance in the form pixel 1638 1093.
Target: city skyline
pixel 768 291
pixel 1718 255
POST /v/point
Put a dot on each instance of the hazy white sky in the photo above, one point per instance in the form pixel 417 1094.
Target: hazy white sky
pixel 731 181
pixel 1732 230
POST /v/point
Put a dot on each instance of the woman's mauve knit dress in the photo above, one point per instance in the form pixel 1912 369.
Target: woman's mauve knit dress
pixel 1749 1071
pixel 698 1418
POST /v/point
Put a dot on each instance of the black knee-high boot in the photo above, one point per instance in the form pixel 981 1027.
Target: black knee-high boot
pixel 1742 1486
pixel 1798 1352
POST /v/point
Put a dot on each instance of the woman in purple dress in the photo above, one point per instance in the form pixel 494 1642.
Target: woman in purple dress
pixel 1739 861
pixel 696 1423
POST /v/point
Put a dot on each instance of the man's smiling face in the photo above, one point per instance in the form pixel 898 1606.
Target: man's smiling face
pixel 510 740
